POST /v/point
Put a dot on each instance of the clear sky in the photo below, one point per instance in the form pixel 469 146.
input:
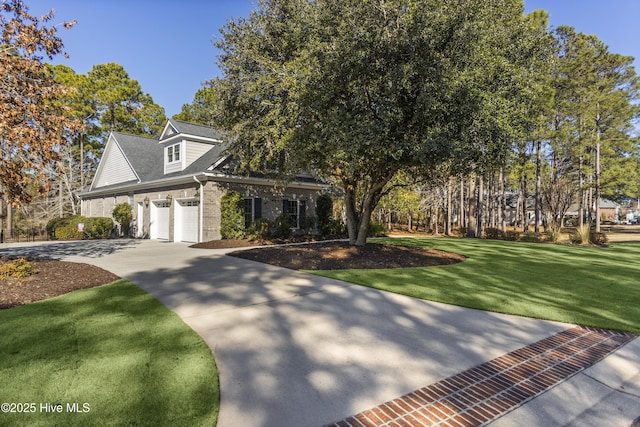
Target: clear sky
pixel 166 45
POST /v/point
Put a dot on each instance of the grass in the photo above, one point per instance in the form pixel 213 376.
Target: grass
pixel 589 286
pixel 114 348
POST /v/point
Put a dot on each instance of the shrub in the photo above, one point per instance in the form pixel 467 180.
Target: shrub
pixel 98 228
pixel 324 212
pixel 232 215
pixel 376 229
pixel 554 235
pixel 494 233
pixel 308 223
pixel 122 213
pixel 67 228
pixel 531 237
pixel 259 230
pixel 512 235
pixel 16 269
pixel 598 238
pixel 335 228
pixel 581 235
pixel 282 226
pixel 52 225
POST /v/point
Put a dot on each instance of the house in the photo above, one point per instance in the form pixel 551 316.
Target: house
pixel 609 210
pixel 175 184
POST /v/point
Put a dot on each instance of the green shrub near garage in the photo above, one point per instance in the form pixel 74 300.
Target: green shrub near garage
pixel 66 228
pixel 232 215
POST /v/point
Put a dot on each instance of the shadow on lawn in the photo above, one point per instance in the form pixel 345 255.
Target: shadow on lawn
pixel 60 250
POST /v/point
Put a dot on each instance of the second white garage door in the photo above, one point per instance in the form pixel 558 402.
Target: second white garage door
pixel 186 221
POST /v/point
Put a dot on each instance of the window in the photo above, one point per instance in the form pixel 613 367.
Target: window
pixel 173 153
pixel 295 209
pixel 252 210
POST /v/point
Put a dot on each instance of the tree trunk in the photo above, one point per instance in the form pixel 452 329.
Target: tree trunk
pixel 472 217
pixel 503 203
pixel 597 195
pixel 581 200
pixel 9 234
pixel 447 221
pixel 461 204
pixel 538 185
pixel 435 211
pixel 358 220
pixel 525 197
pixel 480 209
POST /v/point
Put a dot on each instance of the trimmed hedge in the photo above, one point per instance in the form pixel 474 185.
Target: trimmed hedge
pixel 67 228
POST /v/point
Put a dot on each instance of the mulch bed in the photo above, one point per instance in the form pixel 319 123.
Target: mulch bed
pixel 52 278
pixel 338 255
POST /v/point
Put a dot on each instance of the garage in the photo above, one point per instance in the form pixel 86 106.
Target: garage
pixel 186 221
pixel 159 226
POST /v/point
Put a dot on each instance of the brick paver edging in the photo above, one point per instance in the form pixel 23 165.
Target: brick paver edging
pixel 482 394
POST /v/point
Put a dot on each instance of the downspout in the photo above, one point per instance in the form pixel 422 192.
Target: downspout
pixel 201 210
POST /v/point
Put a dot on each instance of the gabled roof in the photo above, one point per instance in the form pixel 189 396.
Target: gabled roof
pixel 203 163
pixel 131 161
pixel 143 154
pixel 126 158
pixel 174 127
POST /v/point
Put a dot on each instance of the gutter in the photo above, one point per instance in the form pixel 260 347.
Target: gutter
pixel 201 209
pixel 185 179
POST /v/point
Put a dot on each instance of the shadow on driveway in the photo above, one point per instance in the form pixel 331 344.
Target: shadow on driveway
pixel 60 250
pixel 300 350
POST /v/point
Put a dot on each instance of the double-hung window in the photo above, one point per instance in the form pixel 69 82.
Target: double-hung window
pixel 295 209
pixel 252 210
pixel 173 153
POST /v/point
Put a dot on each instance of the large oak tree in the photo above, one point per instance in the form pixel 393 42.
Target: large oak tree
pixel 360 90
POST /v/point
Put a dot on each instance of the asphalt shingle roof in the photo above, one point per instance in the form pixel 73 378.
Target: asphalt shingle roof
pixel 186 128
pixel 144 154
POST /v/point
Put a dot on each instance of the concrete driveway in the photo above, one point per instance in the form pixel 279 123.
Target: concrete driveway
pixel 298 350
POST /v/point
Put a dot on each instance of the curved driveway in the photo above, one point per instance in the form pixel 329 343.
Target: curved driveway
pixel 299 350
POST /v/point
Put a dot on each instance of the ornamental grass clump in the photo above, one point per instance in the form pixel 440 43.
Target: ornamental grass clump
pixel 16 269
pixel 582 235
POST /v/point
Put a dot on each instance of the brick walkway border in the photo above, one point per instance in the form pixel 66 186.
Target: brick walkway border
pixel 488 391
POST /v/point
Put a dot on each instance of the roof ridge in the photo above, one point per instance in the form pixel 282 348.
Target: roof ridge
pixel 114 132
pixel 192 124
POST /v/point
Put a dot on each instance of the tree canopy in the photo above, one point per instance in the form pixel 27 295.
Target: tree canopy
pixel 106 99
pixel 33 125
pixel 358 91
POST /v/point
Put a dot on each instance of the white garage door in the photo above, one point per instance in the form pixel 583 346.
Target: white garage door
pixel 186 221
pixel 159 226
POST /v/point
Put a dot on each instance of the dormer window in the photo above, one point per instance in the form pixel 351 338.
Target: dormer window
pixel 173 153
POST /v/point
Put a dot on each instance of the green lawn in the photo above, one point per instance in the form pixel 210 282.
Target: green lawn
pixel 114 348
pixel 581 285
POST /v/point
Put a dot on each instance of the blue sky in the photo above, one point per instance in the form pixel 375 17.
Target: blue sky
pixel 166 45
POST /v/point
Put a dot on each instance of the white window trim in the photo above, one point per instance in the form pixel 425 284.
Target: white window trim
pixel 296 225
pixel 171 151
